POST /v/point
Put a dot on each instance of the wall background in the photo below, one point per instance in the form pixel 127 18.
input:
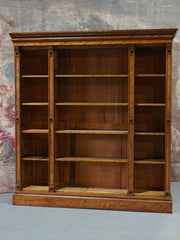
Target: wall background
pixel 64 15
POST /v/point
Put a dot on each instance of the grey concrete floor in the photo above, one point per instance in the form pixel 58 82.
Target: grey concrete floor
pixel 27 223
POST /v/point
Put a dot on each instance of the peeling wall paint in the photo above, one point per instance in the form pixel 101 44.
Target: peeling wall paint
pixel 64 15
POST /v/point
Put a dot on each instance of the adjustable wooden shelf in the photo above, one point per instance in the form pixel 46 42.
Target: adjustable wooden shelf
pixel 93 119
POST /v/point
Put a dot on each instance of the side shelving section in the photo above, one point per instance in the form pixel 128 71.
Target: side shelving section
pixel 33 103
pixel 149 140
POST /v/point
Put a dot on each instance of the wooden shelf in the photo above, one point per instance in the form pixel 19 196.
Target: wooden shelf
pixel 150 75
pixel 150 104
pixel 92 159
pixel 149 161
pixel 93 76
pixel 91 191
pixel 34 104
pixel 35 158
pixel 141 192
pixel 114 132
pixel 36 188
pixel 34 76
pixel 35 131
pixel 150 133
pixel 90 104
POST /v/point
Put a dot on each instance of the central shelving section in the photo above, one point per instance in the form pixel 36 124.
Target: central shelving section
pixel 91 120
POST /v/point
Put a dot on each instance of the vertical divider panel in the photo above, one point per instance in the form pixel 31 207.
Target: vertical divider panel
pixel 51 136
pixel 17 117
pixel 131 75
pixel 168 120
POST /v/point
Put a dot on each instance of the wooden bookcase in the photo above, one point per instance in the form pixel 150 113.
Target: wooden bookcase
pixel 93 119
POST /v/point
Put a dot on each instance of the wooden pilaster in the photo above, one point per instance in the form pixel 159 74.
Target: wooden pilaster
pixel 168 119
pixel 17 117
pixel 131 69
pixel 51 117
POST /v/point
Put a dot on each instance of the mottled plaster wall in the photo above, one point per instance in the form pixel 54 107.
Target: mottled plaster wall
pixel 63 15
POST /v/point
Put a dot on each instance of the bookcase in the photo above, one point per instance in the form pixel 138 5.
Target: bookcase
pixel 93 119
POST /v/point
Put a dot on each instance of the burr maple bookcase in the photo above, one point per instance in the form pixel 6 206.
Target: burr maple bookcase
pixel 93 119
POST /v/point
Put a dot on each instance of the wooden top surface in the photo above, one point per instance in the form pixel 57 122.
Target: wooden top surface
pixel 135 32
